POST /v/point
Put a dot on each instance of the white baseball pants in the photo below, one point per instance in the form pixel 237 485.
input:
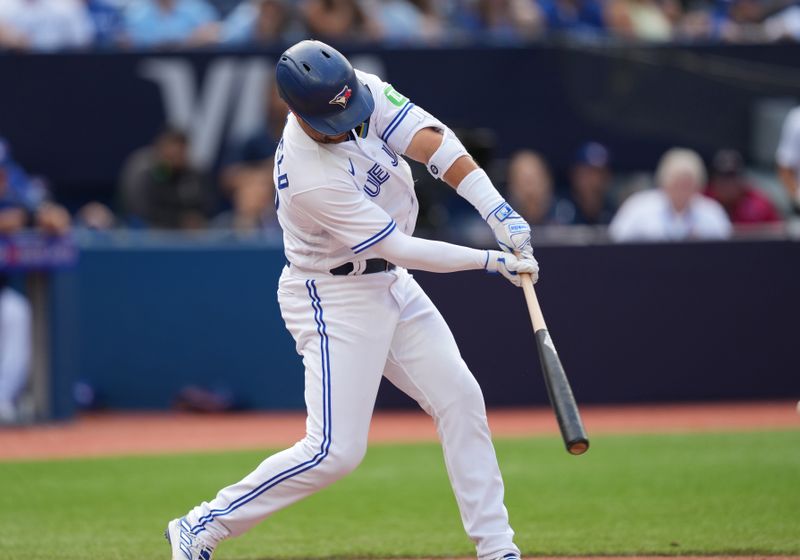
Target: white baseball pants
pixel 350 330
pixel 15 345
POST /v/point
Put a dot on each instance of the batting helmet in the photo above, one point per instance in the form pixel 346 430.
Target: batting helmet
pixel 320 86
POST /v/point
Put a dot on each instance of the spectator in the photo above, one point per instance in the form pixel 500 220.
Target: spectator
pixel 95 216
pixel 402 21
pixel 106 20
pixel 15 349
pixel 788 157
pixel 590 182
pixel 24 200
pixel 253 212
pixel 784 25
pixel 338 20
pixel 160 189
pixel 738 20
pixel 18 201
pixel 261 22
pixel 163 23
pixel 573 16
pixel 254 155
pixel 639 19
pixel 530 190
pixel 44 25
pixel 675 210
pixel 744 203
pixel 504 21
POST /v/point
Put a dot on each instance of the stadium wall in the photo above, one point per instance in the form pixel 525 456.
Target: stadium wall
pixel 698 321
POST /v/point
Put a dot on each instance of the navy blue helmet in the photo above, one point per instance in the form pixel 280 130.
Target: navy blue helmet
pixel 320 86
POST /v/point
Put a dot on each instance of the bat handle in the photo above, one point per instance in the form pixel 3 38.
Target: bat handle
pixel 534 309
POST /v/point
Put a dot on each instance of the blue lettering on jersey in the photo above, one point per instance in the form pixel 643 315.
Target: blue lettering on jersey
pixel 352 169
pixel 283 181
pixel 392 154
pixel 376 177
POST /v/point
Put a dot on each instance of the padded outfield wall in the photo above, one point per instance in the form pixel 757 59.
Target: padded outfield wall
pixel 633 323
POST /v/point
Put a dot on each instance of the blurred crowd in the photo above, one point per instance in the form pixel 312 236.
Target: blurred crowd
pixel 49 25
pixel 683 197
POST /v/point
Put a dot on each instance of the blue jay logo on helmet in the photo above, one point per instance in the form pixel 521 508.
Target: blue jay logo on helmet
pixel 342 97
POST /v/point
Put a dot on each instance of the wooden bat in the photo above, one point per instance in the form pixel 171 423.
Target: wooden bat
pixel 558 389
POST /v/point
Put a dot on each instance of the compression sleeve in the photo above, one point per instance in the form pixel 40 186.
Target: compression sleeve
pixel 370 232
pixel 433 256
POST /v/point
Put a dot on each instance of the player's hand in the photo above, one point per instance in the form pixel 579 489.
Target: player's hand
pixel 511 267
pixel 512 232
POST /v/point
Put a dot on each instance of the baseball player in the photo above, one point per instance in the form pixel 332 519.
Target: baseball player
pixel 346 204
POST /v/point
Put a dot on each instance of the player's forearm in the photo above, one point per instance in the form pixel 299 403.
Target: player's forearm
pixel 433 256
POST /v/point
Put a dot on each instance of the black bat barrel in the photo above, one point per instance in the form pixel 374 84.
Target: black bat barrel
pixel 560 393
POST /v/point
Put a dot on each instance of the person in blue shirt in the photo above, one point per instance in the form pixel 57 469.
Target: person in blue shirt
pixel 159 23
pixel 107 22
pixel 23 200
pixel 573 16
pixel 261 22
pixel 16 188
pixel 590 184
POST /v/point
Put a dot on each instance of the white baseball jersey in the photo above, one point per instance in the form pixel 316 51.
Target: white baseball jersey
pixel 788 154
pixel 369 190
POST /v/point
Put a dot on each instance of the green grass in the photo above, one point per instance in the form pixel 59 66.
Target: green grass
pixel 676 494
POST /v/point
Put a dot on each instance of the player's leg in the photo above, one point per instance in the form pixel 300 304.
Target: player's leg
pixel 424 362
pixel 343 330
pixel 15 349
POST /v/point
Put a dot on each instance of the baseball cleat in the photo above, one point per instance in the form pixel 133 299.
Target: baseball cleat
pixel 185 545
pixel 509 556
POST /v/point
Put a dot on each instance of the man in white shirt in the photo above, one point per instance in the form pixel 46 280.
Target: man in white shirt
pixel 45 25
pixel 347 207
pixel 15 348
pixel 788 157
pixel 674 211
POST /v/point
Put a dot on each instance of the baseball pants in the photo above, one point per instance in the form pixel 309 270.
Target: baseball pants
pixel 351 330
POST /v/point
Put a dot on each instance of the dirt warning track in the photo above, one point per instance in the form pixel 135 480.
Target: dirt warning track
pixel 134 434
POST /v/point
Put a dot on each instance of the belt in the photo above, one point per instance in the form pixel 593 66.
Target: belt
pixel 372 266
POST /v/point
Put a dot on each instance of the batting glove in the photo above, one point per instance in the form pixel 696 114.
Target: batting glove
pixel 510 266
pixel 512 232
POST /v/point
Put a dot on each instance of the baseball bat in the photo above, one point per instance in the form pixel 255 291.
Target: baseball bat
pixel 555 378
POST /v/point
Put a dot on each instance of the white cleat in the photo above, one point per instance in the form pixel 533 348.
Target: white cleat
pixel 185 545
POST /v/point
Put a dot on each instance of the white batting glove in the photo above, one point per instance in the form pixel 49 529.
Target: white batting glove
pixel 510 266
pixel 512 232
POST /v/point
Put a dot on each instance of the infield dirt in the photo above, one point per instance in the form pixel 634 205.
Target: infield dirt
pixel 97 435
